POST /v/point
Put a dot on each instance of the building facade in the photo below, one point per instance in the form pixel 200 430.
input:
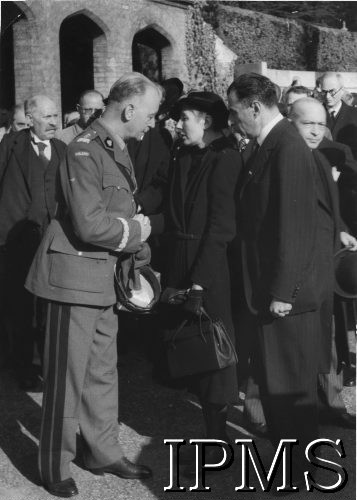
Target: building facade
pixel 61 47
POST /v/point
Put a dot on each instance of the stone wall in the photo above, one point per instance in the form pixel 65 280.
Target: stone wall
pixel 37 48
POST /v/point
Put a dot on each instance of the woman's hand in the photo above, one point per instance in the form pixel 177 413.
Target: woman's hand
pixel 194 301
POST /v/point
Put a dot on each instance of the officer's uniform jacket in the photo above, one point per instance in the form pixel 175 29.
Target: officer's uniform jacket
pixel 76 259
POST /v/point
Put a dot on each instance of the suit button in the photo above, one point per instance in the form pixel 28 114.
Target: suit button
pixel 80 253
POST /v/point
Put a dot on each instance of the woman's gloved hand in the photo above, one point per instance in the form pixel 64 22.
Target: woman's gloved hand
pixel 194 302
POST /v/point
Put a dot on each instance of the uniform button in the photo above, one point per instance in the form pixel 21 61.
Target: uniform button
pixel 80 253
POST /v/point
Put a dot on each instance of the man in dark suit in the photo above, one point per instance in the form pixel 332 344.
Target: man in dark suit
pixel 309 117
pixel 277 217
pixel 29 161
pixel 97 228
pixel 341 118
pixel 344 171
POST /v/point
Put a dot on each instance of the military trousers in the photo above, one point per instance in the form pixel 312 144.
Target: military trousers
pixel 80 389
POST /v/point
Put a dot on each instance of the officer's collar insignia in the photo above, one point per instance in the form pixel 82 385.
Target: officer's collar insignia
pixel 109 143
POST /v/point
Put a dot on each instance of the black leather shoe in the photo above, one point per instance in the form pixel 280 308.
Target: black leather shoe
pixel 125 469
pixel 64 489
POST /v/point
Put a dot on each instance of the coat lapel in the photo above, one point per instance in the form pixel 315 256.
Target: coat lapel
pixel 259 159
pixel 340 119
pixel 22 151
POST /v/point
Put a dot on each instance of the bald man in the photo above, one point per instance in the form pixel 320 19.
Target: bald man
pixel 341 118
pixel 90 106
pixel 29 161
pixel 309 117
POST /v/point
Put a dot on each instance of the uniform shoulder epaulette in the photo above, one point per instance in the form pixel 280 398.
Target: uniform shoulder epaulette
pixel 87 136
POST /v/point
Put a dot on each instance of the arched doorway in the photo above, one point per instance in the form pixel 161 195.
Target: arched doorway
pixel 10 14
pixel 148 52
pixel 81 40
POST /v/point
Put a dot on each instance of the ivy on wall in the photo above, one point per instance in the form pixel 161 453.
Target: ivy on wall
pixel 337 50
pixel 256 37
pixel 200 50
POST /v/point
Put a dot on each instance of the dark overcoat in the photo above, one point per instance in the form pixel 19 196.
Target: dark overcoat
pixel 151 159
pixel 344 127
pixel 202 222
pixel 278 217
pixel 340 156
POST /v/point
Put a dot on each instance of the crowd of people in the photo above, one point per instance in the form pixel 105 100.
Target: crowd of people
pixel 243 206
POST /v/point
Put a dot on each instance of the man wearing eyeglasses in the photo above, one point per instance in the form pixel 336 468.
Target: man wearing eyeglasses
pixel 341 118
pixel 90 106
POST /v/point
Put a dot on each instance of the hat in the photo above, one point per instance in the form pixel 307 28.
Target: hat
pixel 173 91
pixel 208 102
pixel 346 274
pixel 140 301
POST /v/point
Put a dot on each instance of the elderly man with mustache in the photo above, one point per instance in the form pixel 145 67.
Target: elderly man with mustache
pixel 29 161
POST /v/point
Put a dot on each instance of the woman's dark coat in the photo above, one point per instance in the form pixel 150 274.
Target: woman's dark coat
pixel 202 222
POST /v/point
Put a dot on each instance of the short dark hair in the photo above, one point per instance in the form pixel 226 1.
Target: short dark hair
pixel 251 87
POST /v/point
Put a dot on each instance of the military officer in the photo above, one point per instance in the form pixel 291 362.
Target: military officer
pixel 73 269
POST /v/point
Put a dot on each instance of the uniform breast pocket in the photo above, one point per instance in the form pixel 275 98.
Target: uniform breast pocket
pixel 116 182
pixel 118 195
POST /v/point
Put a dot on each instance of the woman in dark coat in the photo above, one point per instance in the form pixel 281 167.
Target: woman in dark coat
pixel 201 222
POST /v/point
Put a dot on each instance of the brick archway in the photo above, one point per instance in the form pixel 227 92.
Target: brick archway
pixel 150 50
pixel 83 55
pixel 14 19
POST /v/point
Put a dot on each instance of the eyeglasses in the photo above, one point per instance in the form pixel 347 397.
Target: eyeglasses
pixel 91 111
pixel 332 92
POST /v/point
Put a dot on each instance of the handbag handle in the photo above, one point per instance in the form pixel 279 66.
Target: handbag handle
pixel 204 313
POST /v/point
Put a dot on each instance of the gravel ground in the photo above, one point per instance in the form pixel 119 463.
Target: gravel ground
pixel 149 413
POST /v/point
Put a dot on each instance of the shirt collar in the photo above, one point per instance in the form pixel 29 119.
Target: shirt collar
pixel 267 128
pixel 36 140
pixel 113 134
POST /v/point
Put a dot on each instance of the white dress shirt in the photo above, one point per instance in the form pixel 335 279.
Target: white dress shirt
pixel 268 127
pixel 35 140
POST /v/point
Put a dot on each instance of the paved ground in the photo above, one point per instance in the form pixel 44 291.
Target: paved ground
pixel 149 413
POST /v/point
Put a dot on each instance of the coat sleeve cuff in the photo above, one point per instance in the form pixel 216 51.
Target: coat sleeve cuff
pixel 131 236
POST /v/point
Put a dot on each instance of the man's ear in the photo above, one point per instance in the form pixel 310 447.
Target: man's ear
pixel 208 122
pixel 30 119
pixel 257 107
pixel 128 112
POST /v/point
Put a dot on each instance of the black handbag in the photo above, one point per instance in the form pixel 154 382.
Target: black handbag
pixel 199 345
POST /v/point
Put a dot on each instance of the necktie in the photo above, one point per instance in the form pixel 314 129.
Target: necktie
pixel 41 153
pixel 333 116
pixel 242 145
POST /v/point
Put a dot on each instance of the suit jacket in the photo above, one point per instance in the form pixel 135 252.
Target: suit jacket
pixel 344 127
pixel 75 261
pixel 277 215
pixel 340 156
pixel 151 159
pixel 17 162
